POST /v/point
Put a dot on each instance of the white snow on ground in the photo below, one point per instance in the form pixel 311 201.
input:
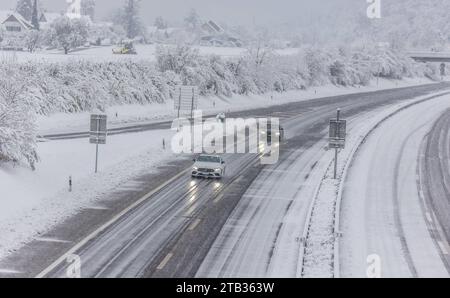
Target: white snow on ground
pixel 372 223
pixel 132 114
pixel 32 201
pixel 104 53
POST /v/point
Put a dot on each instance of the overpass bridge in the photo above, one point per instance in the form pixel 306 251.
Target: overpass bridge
pixel 442 57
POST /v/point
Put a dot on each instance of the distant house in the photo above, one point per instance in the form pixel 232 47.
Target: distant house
pixel 14 23
pixel 13 26
pixel 216 36
pixel 212 28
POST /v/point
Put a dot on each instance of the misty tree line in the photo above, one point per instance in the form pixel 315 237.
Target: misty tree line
pixel 31 88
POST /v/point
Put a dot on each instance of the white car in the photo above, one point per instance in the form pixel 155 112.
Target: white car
pixel 208 166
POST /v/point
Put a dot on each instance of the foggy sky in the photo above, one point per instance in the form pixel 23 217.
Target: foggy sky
pixel 243 12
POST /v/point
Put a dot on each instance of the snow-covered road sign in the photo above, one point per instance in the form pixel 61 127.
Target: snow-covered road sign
pixel 98 131
pixel 187 99
pixel 338 133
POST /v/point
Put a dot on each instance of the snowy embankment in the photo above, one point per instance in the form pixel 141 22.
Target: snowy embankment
pixel 321 236
pixel 33 201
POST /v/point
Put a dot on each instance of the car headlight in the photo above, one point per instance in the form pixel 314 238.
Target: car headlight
pixel 218 170
pixel 195 168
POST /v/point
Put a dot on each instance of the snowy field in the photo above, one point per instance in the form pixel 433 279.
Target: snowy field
pixel 33 201
pixel 104 53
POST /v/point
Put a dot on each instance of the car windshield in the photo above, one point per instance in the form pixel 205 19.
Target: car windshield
pixel 209 159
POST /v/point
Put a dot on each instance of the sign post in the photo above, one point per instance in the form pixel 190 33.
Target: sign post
pixel 337 137
pixel 98 133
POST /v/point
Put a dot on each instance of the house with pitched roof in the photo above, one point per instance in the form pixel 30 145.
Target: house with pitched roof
pixel 15 23
pixel 215 35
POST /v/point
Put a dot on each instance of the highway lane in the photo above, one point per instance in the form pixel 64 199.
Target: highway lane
pixel 171 231
pixel 382 211
pixel 434 177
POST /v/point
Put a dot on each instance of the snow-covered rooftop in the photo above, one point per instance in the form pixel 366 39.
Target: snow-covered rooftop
pixel 4 14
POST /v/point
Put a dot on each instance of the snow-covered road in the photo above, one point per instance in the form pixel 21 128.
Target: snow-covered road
pixel 263 235
pixel 382 212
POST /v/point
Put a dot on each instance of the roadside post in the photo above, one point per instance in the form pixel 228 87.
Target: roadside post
pixel 442 70
pixel 337 137
pixel 98 133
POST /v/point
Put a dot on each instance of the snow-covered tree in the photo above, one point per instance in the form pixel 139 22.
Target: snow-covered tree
pixel 69 33
pixel 176 58
pixel 25 8
pixel 131 20
pixel 35 16
pixel 160 23
pixel 100 32
pixel 193 20
pixel 88 8
pixel 33 39
pixel 17 118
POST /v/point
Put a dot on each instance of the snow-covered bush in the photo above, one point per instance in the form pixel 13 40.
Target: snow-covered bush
pixel 17 118
pixel 77 86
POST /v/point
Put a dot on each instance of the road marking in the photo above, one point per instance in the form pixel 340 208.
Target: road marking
pixel 128 188
pixel 268 197
pixel 293 172
pixel 194 224
pixel 443 247
pixel 219 197
pixel 96 208
pixel 8 271
pixel 53 240
pixel 164 261
pixel 106 225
